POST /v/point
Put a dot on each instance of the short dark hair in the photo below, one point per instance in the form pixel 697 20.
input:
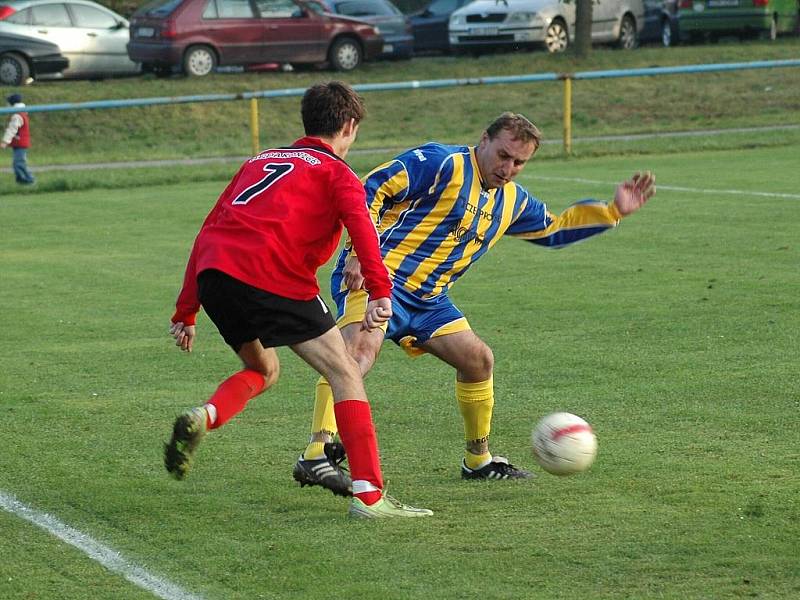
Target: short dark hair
pixel 327 107
pixel 520 127
pixel 14 99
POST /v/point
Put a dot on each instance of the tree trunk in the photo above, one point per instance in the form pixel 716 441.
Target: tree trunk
pixel 583 28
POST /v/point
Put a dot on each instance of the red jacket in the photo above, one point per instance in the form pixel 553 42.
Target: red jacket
pixel 279 220
pixel 23 137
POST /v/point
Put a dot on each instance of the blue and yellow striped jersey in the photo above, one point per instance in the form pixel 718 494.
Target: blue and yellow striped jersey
pixel 435 220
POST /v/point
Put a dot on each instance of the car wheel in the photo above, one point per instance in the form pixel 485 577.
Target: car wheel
pixel 14 69
pixel 556 38
pixel 345 54
pixel 628 40
pixel 666 34
pixel 199 61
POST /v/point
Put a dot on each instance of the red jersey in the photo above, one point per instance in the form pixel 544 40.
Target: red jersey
pixel 279 220
pixel 23 137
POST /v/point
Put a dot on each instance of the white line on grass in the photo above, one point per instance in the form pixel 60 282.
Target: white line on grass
pixel 108 557
pixel 675 188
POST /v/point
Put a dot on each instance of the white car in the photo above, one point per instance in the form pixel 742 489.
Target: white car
pixel 486 24
pixel 92 37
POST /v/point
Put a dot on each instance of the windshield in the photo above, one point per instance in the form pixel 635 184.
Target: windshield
pixel 159 8
pixel 442 7
pixel 364 8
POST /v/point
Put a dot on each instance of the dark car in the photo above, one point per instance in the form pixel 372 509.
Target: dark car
pixel 23 59
pixel 395 28
pixel 198 35
pixel 429 25
pixel 714 18
pixel 660 22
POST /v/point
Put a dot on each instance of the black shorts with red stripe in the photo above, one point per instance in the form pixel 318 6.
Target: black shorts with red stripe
pixel 243 313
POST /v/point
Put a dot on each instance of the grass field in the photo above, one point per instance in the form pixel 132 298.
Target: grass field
pixel 400 119
pixel 675 336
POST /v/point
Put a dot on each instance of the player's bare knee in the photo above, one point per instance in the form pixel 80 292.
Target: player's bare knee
pixel 351 369
pixel 270 372
pixel 340 368
pixel 478 363
pixel 364 351
pixel 271 376
pixel 486 360
pixel 266 363
pixel 364 357
pixel 345 373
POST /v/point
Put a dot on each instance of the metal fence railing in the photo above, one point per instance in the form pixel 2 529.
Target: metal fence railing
pixel 567 78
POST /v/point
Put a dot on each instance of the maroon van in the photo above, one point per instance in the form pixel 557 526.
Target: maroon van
pixel 198 35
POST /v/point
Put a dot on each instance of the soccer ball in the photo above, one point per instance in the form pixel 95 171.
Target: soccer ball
pixel 564 444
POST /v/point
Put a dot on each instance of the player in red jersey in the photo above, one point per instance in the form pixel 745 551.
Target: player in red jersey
pixel 253 269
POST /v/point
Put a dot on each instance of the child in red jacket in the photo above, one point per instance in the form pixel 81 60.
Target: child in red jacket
pixel 18 136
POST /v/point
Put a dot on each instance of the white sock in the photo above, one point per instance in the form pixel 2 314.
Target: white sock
pixel 361 486
pixel 212 412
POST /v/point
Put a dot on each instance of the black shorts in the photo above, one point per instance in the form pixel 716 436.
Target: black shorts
pixel 243 313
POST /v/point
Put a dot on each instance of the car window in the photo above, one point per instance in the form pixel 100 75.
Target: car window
pixel 20 18
pixel 443 7
pixel 51 15
pixel 362 8
pixel 317 7
pixel 91 17
pixel 228 9
pixel 278 9
pixel 159 8
pixel 210 11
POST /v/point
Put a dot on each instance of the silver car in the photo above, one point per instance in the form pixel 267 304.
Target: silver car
pixel 91 36
pixel 521 23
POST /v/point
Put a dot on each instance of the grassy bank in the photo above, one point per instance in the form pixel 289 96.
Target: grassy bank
pixel 400 119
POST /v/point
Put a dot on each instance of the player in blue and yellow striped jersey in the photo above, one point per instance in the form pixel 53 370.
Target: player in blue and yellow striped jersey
pixel 438 209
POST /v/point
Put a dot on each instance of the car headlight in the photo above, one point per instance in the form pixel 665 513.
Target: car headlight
pixel 520 17
pixel 377 29
pixel 458 20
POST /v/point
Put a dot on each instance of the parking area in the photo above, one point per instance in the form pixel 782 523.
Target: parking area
pixel 81 39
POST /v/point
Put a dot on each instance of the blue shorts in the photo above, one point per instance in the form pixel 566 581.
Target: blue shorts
pixel 413 322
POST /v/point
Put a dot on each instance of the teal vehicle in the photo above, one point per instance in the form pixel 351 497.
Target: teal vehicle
pixel 767 18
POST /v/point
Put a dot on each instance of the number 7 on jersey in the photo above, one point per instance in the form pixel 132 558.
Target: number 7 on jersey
pixel 274 171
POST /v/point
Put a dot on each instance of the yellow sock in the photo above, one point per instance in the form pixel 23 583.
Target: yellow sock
pixel 323 423
pixel 475 401
pixel 314 450
pixel 476 461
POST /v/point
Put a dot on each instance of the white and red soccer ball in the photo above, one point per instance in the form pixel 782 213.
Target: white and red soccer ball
pixel 564 444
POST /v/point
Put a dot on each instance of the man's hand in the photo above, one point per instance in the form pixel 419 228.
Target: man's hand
pixel 378 311
pixel 184 335
pixel 3 145
pixel 352 273
pixel 632 194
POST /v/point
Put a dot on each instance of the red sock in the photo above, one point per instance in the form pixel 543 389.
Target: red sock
pixel 233 394
pixel 357 432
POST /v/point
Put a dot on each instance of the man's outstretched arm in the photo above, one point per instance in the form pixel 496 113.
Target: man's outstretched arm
pixel 632 194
